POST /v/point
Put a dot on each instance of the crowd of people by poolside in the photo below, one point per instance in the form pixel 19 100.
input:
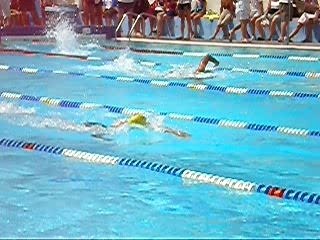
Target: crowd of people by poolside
pixel 253 17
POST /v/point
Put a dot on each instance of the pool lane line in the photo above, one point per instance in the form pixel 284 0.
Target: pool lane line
pixel 174 84
pixel 33 53
pixel 148 63
pixel 223 123
pixel 183 173
pixel 279 73
pixel 218 54
pixel 28 53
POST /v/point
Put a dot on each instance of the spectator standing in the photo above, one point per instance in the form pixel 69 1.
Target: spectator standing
pixel 269 18
pixel 184 12
pixel 199 11
pixel 125 6
pixel 308 18
pixel 286 12
pixel 227 13
pixel 110 12
pixel 169 11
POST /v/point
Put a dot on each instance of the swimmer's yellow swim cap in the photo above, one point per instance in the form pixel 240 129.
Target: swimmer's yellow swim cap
pixel 138 120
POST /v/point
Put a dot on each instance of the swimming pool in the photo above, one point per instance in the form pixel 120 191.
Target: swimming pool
pixel 49 195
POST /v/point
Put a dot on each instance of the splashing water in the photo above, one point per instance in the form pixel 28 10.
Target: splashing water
pixel 66 39
pixel 11 109
pixel 125 64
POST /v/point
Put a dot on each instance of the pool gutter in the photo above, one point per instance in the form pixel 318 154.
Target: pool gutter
pixel 255 44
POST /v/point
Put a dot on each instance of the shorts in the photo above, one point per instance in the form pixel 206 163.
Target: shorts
pixel 184 7
pixel 243 10
pixel 272 11
pixel 125 7
pixel 171 13
pixel 284 12
pixel 5 8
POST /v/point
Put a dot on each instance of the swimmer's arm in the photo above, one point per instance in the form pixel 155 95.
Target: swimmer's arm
pixel 91 124
pixel 177 133
pixel 119 124
pixel 101 136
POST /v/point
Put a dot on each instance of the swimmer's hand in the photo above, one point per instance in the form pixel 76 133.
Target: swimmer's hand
pixel 181 134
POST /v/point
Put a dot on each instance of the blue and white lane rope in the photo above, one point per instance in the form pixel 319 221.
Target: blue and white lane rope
pixel 220 54
pixel 80 57
pixel 279 73
pixel 30 53
pixel 193 54
pixel 223 123
pixel 161 83
pixel 185 174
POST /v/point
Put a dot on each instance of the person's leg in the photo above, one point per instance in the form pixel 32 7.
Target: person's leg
pixel 253 26
pixel 197 20
pixel 233 31
pixel 188 18
pixel 258 25
pixel 221 21
pixel 91 11
pixel 108 17
pixel 285 18
pixel 273 26
pixel 294 32
pixel 152 24
pixel 182 18
pixel 98 15
pixel 244 30
pixel 85 15
pixel 160 20
pixel 309 25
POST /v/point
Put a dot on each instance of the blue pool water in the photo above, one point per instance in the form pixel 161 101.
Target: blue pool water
pixel 45 195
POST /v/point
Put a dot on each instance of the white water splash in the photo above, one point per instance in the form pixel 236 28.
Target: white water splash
pixel 187 71
pixel 11 109
pixel 66 39
pixel 125 64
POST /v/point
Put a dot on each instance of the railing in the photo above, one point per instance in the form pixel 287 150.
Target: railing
pixel 128 14
pixel 140 16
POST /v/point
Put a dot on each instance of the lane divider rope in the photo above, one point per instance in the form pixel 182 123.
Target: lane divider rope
pixel 32 53
pixel 192 54
pixel 175 84
pixel 146 63
pixel 185 174
pixel 219 54
pixel 223 123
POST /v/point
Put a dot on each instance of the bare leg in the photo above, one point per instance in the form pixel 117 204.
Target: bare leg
pixel 160 19
pixel 292 34
pixel 260 28
pixel 188 18
pixel 273 25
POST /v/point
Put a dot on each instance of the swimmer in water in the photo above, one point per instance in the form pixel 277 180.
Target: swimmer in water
pixel 182 73
pixel 137 121
pixel 204 62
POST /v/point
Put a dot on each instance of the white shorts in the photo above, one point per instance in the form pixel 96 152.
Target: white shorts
pixel 305 17
pixel 243 10
pixel 5 8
